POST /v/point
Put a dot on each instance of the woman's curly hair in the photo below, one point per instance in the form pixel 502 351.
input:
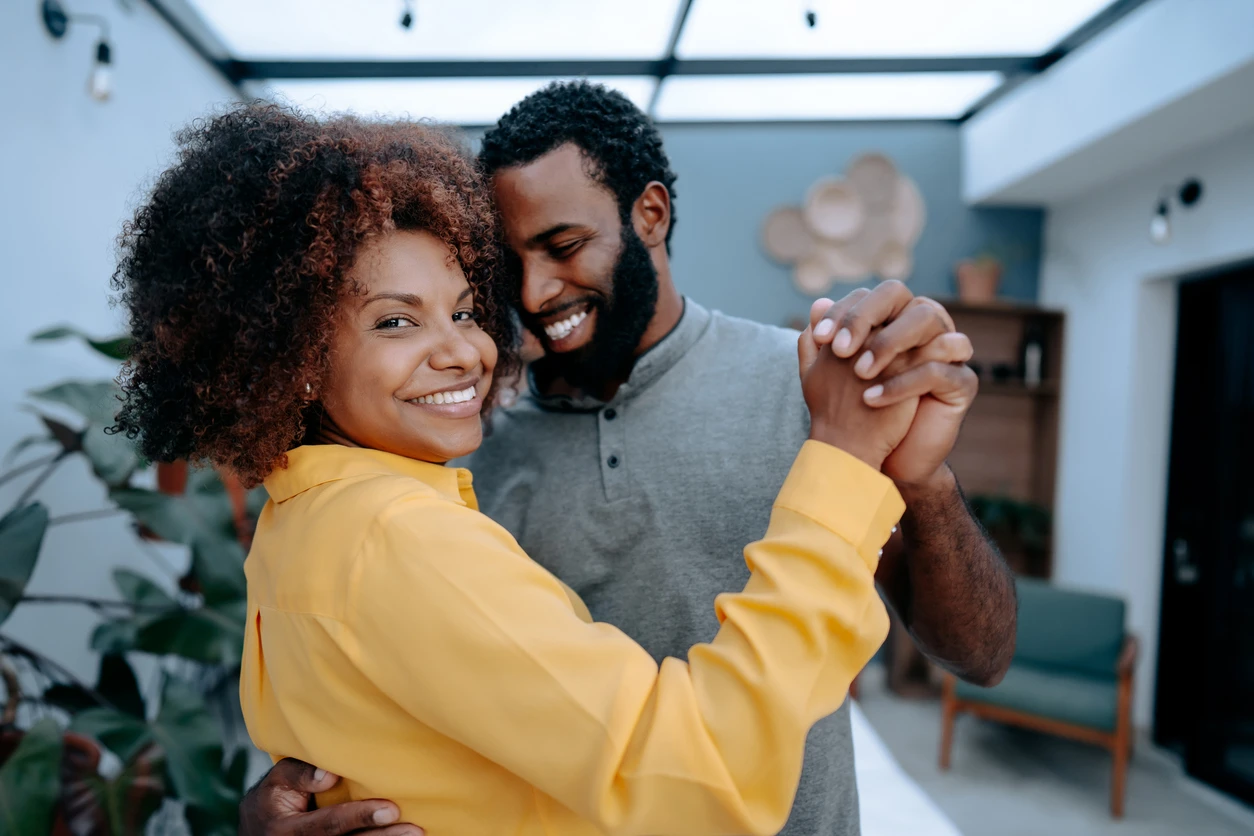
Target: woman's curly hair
pixel 233 270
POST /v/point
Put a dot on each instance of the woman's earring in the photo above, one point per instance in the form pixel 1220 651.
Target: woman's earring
pixel 308 389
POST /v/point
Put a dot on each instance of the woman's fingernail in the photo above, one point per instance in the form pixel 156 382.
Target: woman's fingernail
pixel 842 341
pixel 824 328
pixel 864 363
pixel 873 394
pixel 319 774
pixel 386 815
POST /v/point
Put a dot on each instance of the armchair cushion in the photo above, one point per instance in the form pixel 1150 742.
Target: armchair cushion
pixel 1048 692
pixel 1073 632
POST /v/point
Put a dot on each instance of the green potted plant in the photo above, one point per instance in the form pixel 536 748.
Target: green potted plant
pixel 1020 528
pixel 100 756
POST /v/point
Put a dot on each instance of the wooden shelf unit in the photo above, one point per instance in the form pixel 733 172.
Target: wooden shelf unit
pixel 1009 443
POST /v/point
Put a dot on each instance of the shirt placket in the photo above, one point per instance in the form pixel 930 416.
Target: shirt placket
pixel 612 435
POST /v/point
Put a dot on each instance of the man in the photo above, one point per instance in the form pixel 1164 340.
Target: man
pixel 655 434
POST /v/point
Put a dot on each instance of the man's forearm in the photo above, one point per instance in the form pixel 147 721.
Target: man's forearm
pixel 950 585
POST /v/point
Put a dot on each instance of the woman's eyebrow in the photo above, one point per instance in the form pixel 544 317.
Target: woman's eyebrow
pixel 413 300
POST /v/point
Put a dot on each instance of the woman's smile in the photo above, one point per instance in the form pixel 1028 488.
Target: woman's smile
pixel 459 400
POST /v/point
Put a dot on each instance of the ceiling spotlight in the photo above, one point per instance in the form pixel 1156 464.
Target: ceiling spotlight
pixel 407 15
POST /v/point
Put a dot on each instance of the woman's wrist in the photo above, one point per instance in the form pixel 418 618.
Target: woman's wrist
pixel 869 454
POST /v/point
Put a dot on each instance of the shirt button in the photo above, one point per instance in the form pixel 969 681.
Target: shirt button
pixel 612 461
pixel 610 414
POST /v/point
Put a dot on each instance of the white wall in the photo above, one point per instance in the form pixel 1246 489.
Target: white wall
pixel 73 169
pixel 1172 75
pixel 1119 293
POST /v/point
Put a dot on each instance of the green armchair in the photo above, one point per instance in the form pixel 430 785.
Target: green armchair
pixel 1071 676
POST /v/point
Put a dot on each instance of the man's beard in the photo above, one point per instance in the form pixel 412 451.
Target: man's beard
pixel 620 324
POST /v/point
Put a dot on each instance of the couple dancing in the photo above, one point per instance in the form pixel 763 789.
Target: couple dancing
pixel 328 308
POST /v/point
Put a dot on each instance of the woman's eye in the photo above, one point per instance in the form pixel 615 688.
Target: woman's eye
pixel 394 322
pixel 464 316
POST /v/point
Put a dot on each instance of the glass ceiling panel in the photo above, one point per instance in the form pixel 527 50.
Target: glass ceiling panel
pixel 460 101
pixel 442 29
pixel 819 97
pixel 880 28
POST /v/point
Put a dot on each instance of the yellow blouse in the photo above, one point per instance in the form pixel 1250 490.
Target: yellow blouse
pixel 402 640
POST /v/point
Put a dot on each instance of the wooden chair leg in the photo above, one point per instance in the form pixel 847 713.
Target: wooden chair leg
pixel 1119 778
pixel 1122 749
pixel 949 711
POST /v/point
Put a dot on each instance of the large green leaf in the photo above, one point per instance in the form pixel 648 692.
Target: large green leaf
pixel 202 513
pixel 192 742
pixel 30 781
pixel 113 457
pixel 143 593
pixel 21 534
pixel 202 518
pixel 189 740
pixel 219 568
pixel 213 635
pixel 116 636
pixel 123 734
pixel 115 348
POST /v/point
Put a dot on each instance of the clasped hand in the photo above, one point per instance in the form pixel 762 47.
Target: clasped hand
pixel 885 377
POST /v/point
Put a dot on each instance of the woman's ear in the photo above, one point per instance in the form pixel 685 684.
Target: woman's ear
pixel 651 214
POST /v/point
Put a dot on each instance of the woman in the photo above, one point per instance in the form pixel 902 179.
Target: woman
pixel 320 306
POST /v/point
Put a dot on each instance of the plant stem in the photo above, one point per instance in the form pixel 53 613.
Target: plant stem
pixel 39 480
pixel 95 603
pixel 25 468
pixel 86 515
pixel 42 661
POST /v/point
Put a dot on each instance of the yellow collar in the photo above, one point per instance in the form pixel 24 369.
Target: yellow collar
pixel 317 464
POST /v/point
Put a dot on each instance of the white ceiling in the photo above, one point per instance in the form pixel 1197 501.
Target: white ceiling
pixel 641 30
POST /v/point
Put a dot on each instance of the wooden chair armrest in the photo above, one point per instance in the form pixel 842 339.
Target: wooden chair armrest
pixel 1127 658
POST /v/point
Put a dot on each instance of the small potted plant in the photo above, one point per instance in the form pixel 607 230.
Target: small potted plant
pixel 978 278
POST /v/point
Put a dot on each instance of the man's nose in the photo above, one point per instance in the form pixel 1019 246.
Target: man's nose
pixel 540 285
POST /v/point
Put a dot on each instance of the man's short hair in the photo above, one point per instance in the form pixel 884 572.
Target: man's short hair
pixel 621 143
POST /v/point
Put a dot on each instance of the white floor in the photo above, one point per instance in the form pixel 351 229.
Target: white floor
pixel 1008 782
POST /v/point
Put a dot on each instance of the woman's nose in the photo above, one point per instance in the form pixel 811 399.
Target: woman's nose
pixel 455 351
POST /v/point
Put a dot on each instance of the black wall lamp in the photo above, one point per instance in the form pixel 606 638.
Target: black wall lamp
pixel 58 21
pixel 1188 193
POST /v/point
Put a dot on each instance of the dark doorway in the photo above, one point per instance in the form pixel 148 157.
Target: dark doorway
pixel 1205 690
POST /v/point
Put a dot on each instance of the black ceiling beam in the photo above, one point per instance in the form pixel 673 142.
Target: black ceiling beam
pixel 195 42
pixel 256 70
pixel 668 63
pixel 1088 30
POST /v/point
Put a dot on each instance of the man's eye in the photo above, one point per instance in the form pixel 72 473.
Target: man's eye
pixel 565 250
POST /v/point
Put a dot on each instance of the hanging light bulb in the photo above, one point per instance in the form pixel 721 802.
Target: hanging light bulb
pixel 1160 224
pixel 100 85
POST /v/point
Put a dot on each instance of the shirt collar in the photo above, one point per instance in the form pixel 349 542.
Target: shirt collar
pixel 648 368
pixel 317 464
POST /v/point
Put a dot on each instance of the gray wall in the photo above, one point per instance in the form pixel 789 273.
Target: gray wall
pixel 730 177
